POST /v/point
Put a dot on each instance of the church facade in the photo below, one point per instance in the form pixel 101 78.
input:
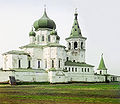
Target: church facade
pixel 45 60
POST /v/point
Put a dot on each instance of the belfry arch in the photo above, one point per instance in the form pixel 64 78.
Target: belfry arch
pixel 75 45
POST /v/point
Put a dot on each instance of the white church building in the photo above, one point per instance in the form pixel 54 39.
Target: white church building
pixel 45 60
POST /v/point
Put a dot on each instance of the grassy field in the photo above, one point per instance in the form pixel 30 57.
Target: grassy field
pixel 75 93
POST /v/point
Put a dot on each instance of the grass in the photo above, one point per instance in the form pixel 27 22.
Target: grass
pixel 74 93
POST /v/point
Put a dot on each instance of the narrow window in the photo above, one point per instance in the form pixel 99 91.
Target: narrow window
pixel 72 69
pixel 49 38
pixel 88 69
pixel 67 58
pixel 100 72
pixel 69 69
pixel 42 38
pixel 75 45
pixel 81 45
pixel 66 68
pixel 73 60
pixel 38 63
pixel 59 63
pixel 82 69
pixel 19 63
pixel 29 63
pixel 75 69
pixel 38 38
pixel 85 69
pixel 52 63
pixel 69 47
pixel 45 63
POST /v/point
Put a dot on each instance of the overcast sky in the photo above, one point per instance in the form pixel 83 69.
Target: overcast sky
pixel 99 21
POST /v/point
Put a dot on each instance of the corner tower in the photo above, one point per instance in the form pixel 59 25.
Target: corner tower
pixel 76 43
pixel 102 68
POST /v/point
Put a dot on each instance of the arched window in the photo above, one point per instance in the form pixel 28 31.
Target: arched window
pixel 67 58
pixel 49 38
pixel 52 63
pixel 72 69
pixel 69 69
pixel 75 45
pixel 82 69
pixel 38 63
pixel 29 63
pixel 59 63
pixel 42 38
pixel 88 69
pixel 81 45
pixel 69 47
pixel 100 72
pixel 75 69
pixel 73 60
pixel 19 63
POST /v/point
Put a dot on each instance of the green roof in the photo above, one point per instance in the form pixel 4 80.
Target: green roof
pixel 32 33
pixel 53 32
pixel 44 22
pixel 54 45
pixel 102 64
pixel 70 63
pixel 76 32
pixel 16 52
pixel 32 45
pixel 28 70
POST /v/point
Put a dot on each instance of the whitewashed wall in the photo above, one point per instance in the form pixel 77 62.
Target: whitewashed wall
pixel 31 76
pixel 57 77
pixel 4 76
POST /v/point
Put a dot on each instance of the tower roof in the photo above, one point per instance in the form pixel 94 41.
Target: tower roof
pixel 44 22
pixel 75 32
pixel 102 64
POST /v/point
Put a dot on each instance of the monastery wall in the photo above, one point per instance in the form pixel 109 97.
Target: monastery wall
pixel 31 76
pixel 4 76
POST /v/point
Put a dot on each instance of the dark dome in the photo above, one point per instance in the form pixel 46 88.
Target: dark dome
pixel 53 32
pixel 44 22
pixel 32 33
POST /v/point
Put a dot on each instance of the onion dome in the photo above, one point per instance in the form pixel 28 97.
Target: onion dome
pixel 44 22
pixel 32 33
pixel 53 32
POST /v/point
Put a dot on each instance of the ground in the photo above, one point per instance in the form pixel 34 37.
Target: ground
pixel 74 93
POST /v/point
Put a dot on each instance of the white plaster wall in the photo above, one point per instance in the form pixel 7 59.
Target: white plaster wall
pixel 103 72
pixel 36 54
pixel 23 58
pixel 41 33
pixel 76 54
pixel 4 76
pixel 99 78
pixel 57 77
pixel 32 39
pixel 56 54
pixel 31 76
pixel 7 62
pixel 79 76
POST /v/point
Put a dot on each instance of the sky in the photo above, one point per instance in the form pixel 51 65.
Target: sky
pixel 99 21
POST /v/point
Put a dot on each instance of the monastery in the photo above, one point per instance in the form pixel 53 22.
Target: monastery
pixel 45 60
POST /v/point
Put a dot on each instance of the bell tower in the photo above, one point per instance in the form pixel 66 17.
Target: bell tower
pixel 76 43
